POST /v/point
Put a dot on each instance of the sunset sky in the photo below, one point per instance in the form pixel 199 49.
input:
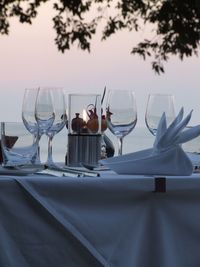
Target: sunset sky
pixel 29 58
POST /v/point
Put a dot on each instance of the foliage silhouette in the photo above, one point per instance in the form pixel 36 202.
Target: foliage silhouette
pixel 175 24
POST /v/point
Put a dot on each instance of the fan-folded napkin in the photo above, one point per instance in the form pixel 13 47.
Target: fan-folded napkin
pixel 166 157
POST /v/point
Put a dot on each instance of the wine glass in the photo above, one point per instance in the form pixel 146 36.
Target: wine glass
pixel 157 104
pixel 121 114
pixel 28 115
pixel 28 110
pixel 44 110
pixel 58 123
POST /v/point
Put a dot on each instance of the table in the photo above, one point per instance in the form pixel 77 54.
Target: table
pixel 111 221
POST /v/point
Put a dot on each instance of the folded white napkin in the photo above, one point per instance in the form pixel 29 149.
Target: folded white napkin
pixel 166 157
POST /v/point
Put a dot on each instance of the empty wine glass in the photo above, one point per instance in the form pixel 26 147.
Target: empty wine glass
pixel 28 110
pixel 58 123
pixel 44 110
pixel 157 104
pixel 28 115
pixel 121 114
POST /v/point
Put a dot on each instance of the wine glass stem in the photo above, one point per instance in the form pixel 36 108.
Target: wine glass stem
pixel 37 158
pixel 50 158
pixel 120 144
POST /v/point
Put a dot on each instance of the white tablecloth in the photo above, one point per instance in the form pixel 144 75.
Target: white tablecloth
pixel 113 220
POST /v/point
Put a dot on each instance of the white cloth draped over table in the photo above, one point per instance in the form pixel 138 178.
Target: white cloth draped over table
pixel 112 221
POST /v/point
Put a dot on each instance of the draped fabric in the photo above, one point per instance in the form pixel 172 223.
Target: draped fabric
pixel 111 221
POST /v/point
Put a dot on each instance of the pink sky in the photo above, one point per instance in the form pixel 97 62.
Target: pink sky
pixel 30 58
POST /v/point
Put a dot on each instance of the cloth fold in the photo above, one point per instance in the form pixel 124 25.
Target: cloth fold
pixel 166 157
pixel 80 239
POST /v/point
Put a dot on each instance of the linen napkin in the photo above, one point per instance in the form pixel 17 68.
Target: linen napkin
pixel 10 141
pixel 166 157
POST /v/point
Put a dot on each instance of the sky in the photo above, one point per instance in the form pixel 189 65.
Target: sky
pixel 29 58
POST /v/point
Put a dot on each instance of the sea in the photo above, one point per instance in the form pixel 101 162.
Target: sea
pixel 140 138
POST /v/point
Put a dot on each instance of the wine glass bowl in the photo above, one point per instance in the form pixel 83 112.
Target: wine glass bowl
pixel 121 113
pixel 157 104
pixel 28 110
pixel 44 110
